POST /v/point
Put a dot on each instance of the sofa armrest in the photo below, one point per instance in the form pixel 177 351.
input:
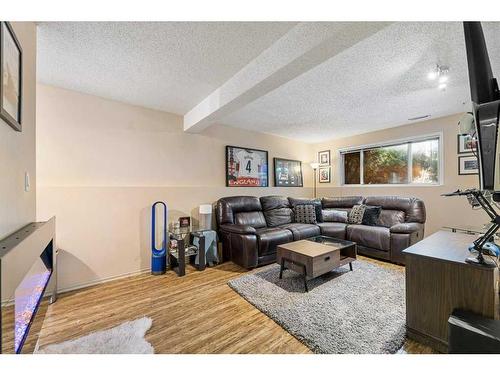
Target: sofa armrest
pixel 238 229
pixel 407 228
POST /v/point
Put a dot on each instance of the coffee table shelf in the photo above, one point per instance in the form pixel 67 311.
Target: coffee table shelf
pixel 346 260
pixel 315 256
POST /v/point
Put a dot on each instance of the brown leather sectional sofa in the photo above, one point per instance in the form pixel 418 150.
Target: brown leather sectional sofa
pixel 251 228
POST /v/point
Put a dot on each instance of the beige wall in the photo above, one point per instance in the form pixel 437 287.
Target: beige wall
pixel 17 149
pixel 441 211
pixel 101 164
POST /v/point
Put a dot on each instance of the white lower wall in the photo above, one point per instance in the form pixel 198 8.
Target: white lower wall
pixel 104 232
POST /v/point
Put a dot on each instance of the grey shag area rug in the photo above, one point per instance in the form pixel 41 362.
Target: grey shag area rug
pixel 344 312
pixel 127 338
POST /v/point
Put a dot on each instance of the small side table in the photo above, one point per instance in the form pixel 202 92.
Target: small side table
pixel 177 256
pixel 202 263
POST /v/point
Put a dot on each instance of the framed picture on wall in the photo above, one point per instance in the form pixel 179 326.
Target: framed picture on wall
pixel 287 173
pixel 246 167
pixel 465 144
pixel 11 77
pixel 324 174
pixel 324 157
pixel 468 165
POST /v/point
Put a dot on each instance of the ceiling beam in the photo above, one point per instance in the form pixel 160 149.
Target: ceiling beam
pixel 305 46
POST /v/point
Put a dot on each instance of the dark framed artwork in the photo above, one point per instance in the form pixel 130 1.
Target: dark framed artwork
pixel 468 165
pixel 324 157
pixel 466 144
pixel 287 173
pixel 246 167
pixel 11 77
pixel 324 174
pixel 185 222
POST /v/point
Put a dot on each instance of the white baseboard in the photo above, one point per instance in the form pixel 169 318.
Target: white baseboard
pixel 85 285
pixel 8 302
pixel 103 280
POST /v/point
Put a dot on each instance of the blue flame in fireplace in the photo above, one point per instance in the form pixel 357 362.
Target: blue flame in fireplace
pixel 27 299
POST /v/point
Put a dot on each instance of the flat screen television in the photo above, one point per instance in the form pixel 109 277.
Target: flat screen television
pixel 486 107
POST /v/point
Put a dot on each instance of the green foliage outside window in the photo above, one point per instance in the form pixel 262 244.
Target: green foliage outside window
pixel 390 164
pixel 386 165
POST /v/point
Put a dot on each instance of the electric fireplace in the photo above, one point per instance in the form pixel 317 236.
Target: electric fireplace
pixel 27 285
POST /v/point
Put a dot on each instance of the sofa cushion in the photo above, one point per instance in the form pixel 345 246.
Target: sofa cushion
pixel 389 218
pixel 278 216
pixel 332 215
pixel 336 230
pixel 277 210
pixel 375 237
pixel 413 208
pixel 301 231
pixel 271 202
pixel 407 228
pixel 305 213
pixel 253 219
pixel 227 207
pixel 341 202
pixel 269 238
pixel 315 202
pixel 237 229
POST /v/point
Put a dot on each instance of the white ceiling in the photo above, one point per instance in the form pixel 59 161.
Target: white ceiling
pixel 378 83
pixel 169 66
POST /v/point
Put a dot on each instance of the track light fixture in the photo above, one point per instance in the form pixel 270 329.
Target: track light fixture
pixel 440 73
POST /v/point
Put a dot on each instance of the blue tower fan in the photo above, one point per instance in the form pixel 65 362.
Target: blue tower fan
pixel 159 256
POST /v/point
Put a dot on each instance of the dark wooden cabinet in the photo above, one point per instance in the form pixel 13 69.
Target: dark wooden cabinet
pixel 438 281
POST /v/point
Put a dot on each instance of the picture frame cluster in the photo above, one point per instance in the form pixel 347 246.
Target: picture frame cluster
pixel 468 163
pixel 248 167
pixel 325 169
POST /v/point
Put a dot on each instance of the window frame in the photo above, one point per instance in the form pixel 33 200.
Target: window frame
pixel 439 136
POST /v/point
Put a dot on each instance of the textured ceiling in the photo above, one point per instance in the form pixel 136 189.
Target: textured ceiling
pixel 378 83
pixel 381 82
pixel 170 66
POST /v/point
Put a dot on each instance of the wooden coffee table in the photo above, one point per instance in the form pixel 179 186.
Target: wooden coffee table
pixel 315 256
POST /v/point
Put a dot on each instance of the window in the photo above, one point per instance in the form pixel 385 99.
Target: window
pixel 352 168
pixel 410 162
pixel 386 165
pixel 425 162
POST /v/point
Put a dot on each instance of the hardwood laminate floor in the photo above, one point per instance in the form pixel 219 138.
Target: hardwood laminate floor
pixel 197 313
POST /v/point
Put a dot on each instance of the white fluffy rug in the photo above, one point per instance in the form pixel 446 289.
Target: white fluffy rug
pixel 127 338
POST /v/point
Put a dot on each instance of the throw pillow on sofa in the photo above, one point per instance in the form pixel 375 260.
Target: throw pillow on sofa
pixel 315 202
pixel 356 214
pixel 371 215
pixel 363 214
pixel 305 214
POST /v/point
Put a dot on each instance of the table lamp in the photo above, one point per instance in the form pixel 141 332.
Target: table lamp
pixel 205 211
